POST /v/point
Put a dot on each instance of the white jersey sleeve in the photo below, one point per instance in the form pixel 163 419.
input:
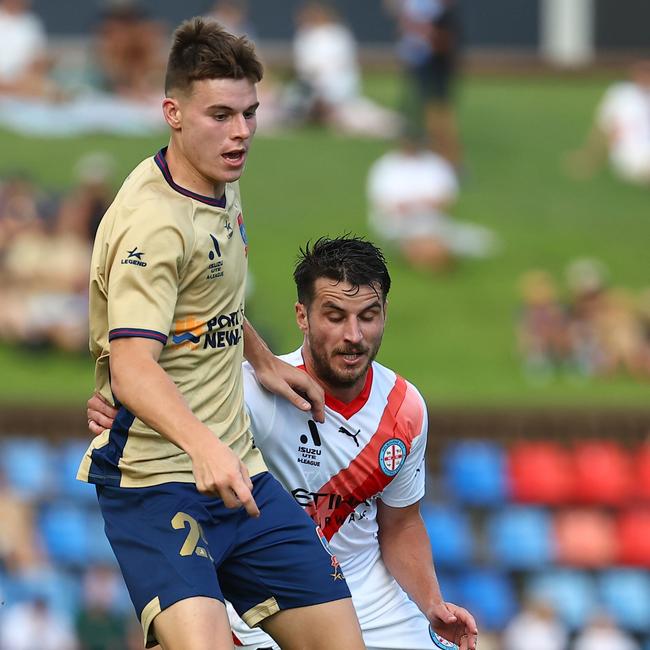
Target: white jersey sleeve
pixel 407 487
pixel 260 404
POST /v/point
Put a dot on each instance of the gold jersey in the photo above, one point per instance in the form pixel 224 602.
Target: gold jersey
pixel 170 265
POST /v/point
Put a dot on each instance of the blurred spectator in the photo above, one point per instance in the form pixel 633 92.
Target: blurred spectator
pixel 536 627
pixel 410 190
pixel 24 62
pixel 428 47
pixel 328 88
pixel 621 130
pixel 93 193
pixel 603 634
pixel 32 625
pixel 43 296
pixel 543 326
pixel 19 550
pixel 21 205
pixel 99 626
pixel 233 15
pixel 129 52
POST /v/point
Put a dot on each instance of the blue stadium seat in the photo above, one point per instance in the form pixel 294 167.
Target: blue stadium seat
pixel 490 596
pixel 69 457
pixel 60 589
pixel 29 466
pixel 521 537
pixel 475 473
pixel 99 550
pixel 452 539
pixel 65 531
pixel 625 593
pixel 572 593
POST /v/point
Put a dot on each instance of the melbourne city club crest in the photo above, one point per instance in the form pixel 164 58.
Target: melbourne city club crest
pixel 391 456
pixel 439 642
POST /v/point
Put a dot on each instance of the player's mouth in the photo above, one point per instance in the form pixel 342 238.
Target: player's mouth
pixel 352 358
pixel 235 158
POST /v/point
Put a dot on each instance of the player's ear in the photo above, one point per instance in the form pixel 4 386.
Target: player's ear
pixel 301 317
pixel 172 112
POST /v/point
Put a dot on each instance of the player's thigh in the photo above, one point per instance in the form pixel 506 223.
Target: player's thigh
pixel 280 560
pixel 194 624
pixel 157 536
pixel 318 627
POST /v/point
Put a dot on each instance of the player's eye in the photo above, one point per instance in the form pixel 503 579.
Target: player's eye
pixel 249 115
pixel 220 117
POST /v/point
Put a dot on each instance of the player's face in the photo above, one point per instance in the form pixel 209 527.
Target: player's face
pixel 343 329
pixel 213 126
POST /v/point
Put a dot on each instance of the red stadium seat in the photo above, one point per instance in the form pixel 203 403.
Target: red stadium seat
pixel 603 473
pixel 642 474
pixel 585 538
pixel 634 537
pixel 540 472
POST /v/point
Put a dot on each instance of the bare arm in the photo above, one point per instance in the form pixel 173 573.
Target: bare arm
pixel 281 378
pixel 138 382
pixel 406 551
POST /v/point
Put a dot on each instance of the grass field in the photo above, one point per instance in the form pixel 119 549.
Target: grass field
pixel 452 335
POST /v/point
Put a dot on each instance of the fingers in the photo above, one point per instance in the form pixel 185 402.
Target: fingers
pixel 245 498
pixel 94 428
pixel 100 414
pixel 316 399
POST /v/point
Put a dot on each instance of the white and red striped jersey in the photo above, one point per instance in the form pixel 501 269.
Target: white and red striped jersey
pixel 371 448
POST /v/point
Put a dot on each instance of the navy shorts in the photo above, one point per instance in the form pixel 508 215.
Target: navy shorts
pixel 172 543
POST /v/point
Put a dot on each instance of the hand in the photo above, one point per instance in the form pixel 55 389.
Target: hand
pixel 455 624
pixel 295 385
pixel 100 414
pixel 218 470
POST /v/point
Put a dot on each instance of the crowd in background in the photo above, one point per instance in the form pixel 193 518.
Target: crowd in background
pixel 600 331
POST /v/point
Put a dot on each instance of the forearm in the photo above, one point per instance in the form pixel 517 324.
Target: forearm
pixel 255 349
pixel 406 551
pixel 147 391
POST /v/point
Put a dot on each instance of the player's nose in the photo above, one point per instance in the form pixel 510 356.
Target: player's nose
pixel 353 332
pixel 241 129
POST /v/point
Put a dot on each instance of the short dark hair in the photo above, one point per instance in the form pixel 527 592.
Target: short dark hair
pixel 343 259
pixel 203 49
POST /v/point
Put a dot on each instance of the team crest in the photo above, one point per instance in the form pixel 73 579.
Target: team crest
pixel 336 565
pixel 391 456
pixel 439 642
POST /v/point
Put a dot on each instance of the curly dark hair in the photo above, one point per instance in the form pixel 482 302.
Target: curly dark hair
pixel 343 259
pixel 203 49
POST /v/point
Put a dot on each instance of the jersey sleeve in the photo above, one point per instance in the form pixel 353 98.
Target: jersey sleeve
pixel 145 259
pixel 260 405
pixel 407 487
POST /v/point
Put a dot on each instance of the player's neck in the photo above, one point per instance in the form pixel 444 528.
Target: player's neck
pixel 187 176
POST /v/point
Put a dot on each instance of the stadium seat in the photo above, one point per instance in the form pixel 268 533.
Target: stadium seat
pixel 585 538
pixel 572 593
pixel 99 550
pixel 69 456
pixel 521 537
pixel 490 596
pixel 59 588
pixel 65 531
pixel 450 532
pixel 28 466
pixel 625 594
pixel 633 531
pixel 642 475
pixel 474 472
pixel 603 473
pixel 540 472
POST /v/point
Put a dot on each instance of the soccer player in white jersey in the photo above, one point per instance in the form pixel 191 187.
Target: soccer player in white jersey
pixel 359 475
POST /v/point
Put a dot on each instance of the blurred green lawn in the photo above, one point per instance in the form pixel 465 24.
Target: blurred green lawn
pixel 452 336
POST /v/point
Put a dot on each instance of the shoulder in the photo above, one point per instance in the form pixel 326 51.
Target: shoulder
pixel 404 399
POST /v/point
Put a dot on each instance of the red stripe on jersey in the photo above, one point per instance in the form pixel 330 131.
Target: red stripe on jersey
pixel 236 641
pixel 363 478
